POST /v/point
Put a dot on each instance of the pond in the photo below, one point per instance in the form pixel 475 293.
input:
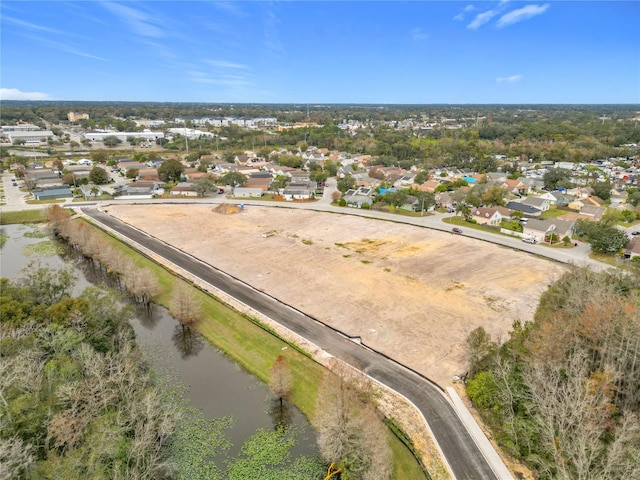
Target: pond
pixel 214 383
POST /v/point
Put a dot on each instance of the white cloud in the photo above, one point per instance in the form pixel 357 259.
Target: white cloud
pixel 467 9
pixel 417 34
pixel 15 94
pixel 482 18
pixel 225 64
pixel 521 14
pixel 32 26
pixel 230 7
pixel 139 22
pixel 511 79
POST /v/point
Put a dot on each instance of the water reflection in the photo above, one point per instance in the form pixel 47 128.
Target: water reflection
pixel 215 384
pixel 187 341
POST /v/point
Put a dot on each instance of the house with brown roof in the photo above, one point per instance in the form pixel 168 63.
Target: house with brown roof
pixel 633 248
pixel 593 211
pixel 516 187
pixel 486 216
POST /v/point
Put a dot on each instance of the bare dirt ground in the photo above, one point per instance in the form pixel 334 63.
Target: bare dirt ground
pixel 410 292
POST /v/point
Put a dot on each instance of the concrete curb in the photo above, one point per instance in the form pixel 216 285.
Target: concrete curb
pixel 490 454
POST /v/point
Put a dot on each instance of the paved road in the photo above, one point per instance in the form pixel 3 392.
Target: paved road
pixel 463 456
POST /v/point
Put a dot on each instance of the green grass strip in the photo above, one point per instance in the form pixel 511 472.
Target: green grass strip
pixel 255 347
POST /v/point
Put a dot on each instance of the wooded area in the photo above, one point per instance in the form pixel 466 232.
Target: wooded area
pixel 563 393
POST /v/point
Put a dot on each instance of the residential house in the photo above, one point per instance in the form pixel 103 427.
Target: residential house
pixel 562 198
pixel 148 175
pixel 52 193
pixel 183 189
pixel 428 186
pixel 43 177
pixel 528 210
pixel 618 197
pixel 260 180
pixel 486 216
pixel 299 191
pixel 541 230
pixel 540 203
pixel 359 197
pixel 144 189
pixel 592 211
pixel 516 187
pixel 633 248
pixel 244 192
pixel 445 200
pixel 581 192
pixel 504 212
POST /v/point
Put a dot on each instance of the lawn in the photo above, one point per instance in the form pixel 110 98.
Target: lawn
pixel 254 347
pixel 553 212
pixel 23 216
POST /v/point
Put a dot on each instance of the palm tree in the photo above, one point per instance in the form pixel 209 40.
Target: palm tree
pixel 94 191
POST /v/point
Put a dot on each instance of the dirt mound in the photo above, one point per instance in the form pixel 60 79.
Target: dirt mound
pixel 226 209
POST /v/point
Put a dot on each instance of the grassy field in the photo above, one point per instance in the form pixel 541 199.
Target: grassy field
pixel 23 216
pixel 255 348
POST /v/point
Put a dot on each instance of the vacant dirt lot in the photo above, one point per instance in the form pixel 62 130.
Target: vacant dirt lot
pixel 409 292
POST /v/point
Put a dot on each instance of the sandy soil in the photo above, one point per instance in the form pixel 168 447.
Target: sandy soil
pixel 410 292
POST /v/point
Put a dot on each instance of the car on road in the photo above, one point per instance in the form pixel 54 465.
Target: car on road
pixel 456 230
pixel 14 184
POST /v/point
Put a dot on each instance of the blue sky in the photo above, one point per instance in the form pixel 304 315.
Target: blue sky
pixel 321 52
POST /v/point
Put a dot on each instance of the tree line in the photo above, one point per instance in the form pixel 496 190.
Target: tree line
pixel 351 434
pixel 562 394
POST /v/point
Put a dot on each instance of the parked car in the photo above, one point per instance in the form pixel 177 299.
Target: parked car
pixel 529 240
pixel 220 191
pixel 637 232
pixel 456 230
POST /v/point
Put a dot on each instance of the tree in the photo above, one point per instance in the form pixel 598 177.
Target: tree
pixel 557 177
pixel 234 179
pixel 132 173
pixel 170 171
pixel 426 199
pixel 608 239
pixel 69 178
pixel 494 195
pixel 99 156
pixel 602 190
pixel 111 141
pixel 350 434
pixel 95 191
pixel 98 175
pixel 281 382
pixel 185 306
pixel 346 183
pixel 205 185
pixel 396 198
pixel 480 348
pixel 634 198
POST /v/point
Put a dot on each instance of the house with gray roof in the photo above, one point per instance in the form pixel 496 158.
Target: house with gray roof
pixel 528 210
pixel 52 193
pixel 540 203
pixel 541 230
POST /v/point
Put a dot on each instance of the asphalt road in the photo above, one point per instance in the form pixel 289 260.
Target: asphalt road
pixel 463 456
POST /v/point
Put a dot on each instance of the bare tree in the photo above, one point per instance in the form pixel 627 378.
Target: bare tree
pixel 350 433
pixel 185 306
pixel 281 382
